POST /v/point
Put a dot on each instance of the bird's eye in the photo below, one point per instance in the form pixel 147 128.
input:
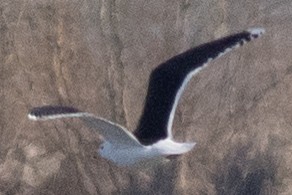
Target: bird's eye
pixel 101 147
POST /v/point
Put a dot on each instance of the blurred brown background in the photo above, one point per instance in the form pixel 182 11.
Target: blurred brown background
pixel 97 55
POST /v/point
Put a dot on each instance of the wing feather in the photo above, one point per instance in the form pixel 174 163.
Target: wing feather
pixel 168 80
pixel 111 132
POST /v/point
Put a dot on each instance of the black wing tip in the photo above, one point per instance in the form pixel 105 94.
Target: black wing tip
pixel 38 113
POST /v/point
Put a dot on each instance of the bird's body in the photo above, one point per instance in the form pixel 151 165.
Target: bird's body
pixel 120 145
pixel 152 140
pixel 136 155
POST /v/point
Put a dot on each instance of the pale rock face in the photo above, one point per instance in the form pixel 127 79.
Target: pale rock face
pixel 97 55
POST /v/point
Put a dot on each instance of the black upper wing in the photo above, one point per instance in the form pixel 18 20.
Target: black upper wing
pixel 40 113
pixel 167 79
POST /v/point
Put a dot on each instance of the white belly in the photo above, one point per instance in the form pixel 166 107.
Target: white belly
pixel 127 156
pixel 132 155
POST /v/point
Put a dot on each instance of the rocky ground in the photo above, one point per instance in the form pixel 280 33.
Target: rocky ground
pixel 97 56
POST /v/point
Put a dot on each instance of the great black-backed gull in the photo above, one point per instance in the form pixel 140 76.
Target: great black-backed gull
pixel 152 140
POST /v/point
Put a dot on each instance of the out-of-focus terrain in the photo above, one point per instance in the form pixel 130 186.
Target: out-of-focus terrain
pixel 97 56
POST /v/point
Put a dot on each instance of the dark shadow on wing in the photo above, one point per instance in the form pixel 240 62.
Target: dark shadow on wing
pixel 168 77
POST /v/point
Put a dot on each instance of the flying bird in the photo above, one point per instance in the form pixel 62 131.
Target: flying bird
pixel 152 140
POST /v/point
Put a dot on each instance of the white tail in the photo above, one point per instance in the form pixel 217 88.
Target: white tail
pixel 170 147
